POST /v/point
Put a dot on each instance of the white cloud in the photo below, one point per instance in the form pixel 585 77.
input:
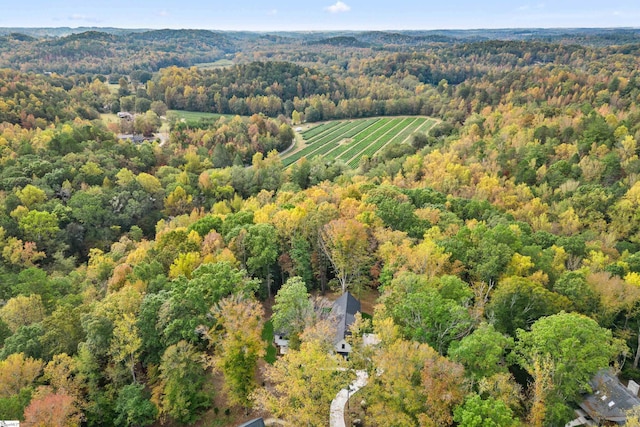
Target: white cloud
pixel 338 7
pixel 78 17
pixel 272 12
pixel 529 7
pixel 163 12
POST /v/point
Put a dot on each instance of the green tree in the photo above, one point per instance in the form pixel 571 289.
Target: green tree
pixel 189 302
pixel 483 352
pixel 143 105
pixel 479 412
pixel 423 313
pixel 575 348
pixel 63 331
pixel 240 345
pixel 30 196
pixel 221 157
pixel 180 392
pixel 147 123
pixel 133 407
pixel 573 285
pixel 292 307
pixel 151 346
pixel 518 302
pixel 39 226
pixel 262 248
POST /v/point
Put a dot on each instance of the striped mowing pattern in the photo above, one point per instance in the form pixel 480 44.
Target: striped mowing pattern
pixel 349 140
pixel 310 133
pixel 327 144
pixel 348 150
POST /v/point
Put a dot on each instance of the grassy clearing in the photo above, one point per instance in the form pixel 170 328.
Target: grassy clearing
pixel 113 88
pixel 197 115
pixel 220 63
pixel 109 118
pixel 351 139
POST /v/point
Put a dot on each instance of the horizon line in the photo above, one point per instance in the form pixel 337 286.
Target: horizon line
pixel 320 30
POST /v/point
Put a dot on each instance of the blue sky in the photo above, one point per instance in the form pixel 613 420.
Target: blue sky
pixel 270 15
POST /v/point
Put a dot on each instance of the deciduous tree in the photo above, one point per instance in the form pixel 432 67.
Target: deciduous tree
pixel 179 392
pixel 573 348
pixel 302 384
pixel 483 352
pixel 292 307
pixel 17 372
pixel 126 342
pixel 22 311
pixel 52 410
pixel 345 243
pixel 133 407
pixel 479 412
pixel 239 345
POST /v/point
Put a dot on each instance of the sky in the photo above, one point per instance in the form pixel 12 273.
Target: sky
pixel 317 15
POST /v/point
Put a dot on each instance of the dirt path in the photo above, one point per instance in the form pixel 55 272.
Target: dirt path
pixel 274 422
pixel 298 140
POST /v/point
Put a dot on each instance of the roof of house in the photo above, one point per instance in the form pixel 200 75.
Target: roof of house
pixel 610 399
pixel 344 310
pixel 258 422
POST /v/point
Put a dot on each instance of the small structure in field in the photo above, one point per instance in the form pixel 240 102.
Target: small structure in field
pixel 125 115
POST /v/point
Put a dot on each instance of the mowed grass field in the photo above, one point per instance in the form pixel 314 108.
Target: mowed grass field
pixel 349 140
pixel 196 115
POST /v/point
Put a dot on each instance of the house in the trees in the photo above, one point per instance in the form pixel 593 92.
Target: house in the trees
pixel 281 342
pixel 343 312
pixel 609 402
pixel 258 422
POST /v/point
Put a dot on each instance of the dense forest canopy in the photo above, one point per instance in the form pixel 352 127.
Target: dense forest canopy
pixel 141 282
pixel 113 50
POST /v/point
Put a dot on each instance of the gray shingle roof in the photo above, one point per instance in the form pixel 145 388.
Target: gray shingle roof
pixel 258 422
pixel 344 310
pixel 610 399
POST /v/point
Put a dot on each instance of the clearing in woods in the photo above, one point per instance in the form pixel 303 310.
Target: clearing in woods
pixel 349 140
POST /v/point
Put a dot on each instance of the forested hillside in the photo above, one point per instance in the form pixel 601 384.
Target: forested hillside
pixel 498 254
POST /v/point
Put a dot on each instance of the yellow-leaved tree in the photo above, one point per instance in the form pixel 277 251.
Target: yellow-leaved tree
pixel 238 337
pixel 302 384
